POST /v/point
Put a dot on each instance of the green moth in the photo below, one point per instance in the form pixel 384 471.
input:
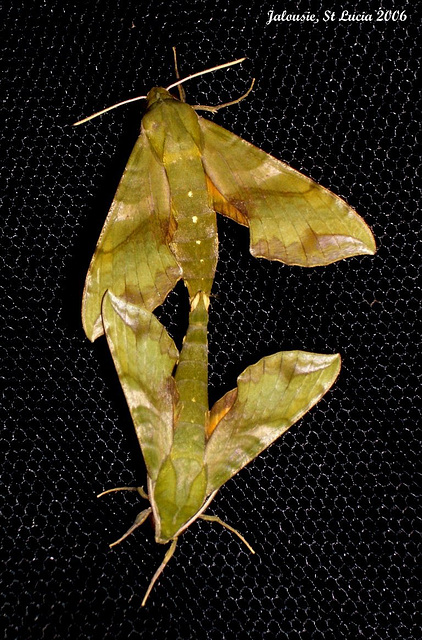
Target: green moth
pixel 161 228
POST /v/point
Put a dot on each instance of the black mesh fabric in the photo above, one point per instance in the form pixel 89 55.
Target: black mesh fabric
pixel 331 507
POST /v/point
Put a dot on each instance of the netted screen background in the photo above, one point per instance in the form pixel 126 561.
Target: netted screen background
pixel 331 507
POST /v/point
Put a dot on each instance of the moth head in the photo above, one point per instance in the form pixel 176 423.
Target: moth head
pixel 158 94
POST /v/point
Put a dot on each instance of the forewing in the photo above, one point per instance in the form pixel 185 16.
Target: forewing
pixel 271 396
pixel 132 258
pixel 291 218
pixel 144 356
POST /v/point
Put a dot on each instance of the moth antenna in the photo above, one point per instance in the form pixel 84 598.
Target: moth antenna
pixel 230 528
pixel 114 106
pixel 175 84
pixel 202 73
pixel 140 490
pixel 140 519
pixel 182 93
pixel 167 557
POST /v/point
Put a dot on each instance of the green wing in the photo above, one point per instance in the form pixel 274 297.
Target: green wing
pixel 271 396
pixel 144 356
pixel 132 258
pixel 291 218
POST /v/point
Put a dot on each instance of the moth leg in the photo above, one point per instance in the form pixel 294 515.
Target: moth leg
pixel 225 104
pixel 140 490
pixel 182 93
pixel 160 569
pixel 140 519
pixel 227 526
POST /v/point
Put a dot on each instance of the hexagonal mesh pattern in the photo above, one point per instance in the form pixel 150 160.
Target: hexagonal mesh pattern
pixel 331 507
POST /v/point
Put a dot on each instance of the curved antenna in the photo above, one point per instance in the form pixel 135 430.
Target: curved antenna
pixel 171 86
pixel 201 73
pixel 114 106
pixel 169 553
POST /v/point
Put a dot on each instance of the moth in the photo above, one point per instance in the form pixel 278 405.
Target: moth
pixel 161 228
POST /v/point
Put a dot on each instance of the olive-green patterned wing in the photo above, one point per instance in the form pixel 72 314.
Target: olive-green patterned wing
pixel 271 396
pixel 144 356
pixel 291 218
pixel 132 258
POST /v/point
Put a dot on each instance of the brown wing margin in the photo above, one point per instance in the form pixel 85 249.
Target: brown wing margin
pixel 132 259
pixel 291 217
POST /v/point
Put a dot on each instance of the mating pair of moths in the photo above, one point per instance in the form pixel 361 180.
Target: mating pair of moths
pixel 161 228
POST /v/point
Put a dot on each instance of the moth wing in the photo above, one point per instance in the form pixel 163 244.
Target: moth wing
pixel 132 258
pixel 271 396
pixel 144 356
pixel 291 218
